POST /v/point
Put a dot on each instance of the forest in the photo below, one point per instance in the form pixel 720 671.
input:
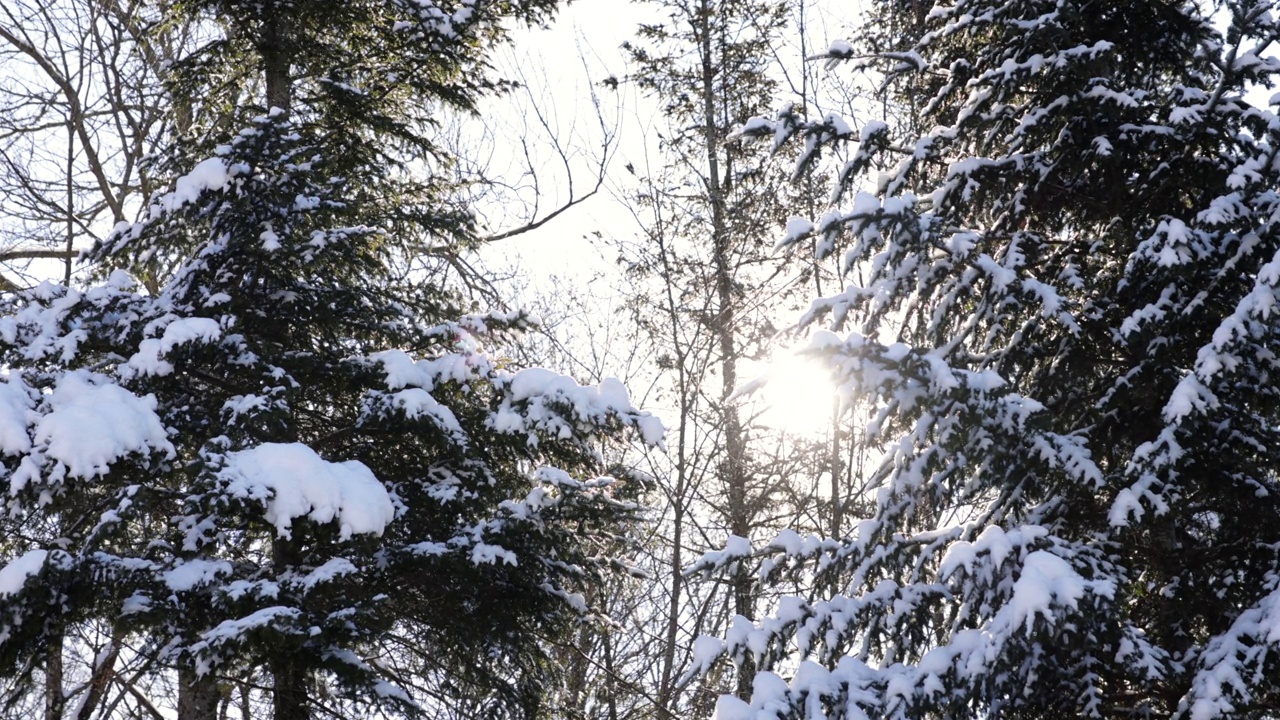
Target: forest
pixel 730 359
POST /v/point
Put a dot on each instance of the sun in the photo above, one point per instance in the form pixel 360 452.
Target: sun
pixel 795 395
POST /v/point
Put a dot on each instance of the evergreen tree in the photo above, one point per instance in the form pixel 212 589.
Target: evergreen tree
pixel 290 467
pixel 1062 305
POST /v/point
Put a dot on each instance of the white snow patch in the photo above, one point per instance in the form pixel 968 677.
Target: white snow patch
pixel 797 227
pixel 192 573
pixel 210 174
pixel 191 329
pixel 729 707
pixel 296 482
pixel 384 689
pixel 15 409
pixel 486 554
pixel 417 403
pixel 1045 578
pixel 706 650
pixel 328 572
pixel 134 604
pixel 540 388
pixel 147 361
pixel 1189 396
pixel 14 575
pixel 232 630
pixel 92 426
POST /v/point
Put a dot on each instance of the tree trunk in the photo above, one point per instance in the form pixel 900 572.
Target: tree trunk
pixel 289 676
pixel 688 394
pixel 245 712
pixel 289 672
pixel 835 465
pixel 733 468
pixel 666 687
pixel 69 262
pixel 55 699
pixel 197 695
pixel 103 668
pixel 290 685
pixel 276 58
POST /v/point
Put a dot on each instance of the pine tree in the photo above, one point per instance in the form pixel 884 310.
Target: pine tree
pixel 1062 306
pixel 291 467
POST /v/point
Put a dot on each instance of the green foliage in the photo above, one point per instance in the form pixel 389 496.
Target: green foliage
pixel 294 465
pixel 1062 312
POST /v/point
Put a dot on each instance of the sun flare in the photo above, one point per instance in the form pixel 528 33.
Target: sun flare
pixel 797 396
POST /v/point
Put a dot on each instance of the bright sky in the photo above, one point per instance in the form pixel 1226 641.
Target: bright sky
pixel 563 65
pixel 578 52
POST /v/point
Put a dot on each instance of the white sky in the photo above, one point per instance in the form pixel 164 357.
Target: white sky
pixel 580 50
pixel 563 65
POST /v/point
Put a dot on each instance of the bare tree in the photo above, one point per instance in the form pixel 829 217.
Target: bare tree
pixel 81 106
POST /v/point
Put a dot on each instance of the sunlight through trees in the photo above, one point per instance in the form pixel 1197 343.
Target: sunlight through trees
pixel 889 359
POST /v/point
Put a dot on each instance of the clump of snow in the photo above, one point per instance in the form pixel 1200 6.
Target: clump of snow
pixel 190 329
pixel 797 228
pixel 735 548
pixel 92 426
pixel 706 650
pixel 333 569
pixel 230 631
pixel 729 707
pixel 135 603
pixel 536 398
pixel 384 689
pixel 541 392
pixel 1189 396
pixel 755 126
pixel 1045 578
pixel 768 688
pixel 296 482
pixel 147 361
pixel 14 575
pixel 837 51
pixel 486 554
pixel 418 403
pixel 210 174
pixel 652 431
pixel 193 573
pixel 15 409
pixel 840 48
pixel 403 371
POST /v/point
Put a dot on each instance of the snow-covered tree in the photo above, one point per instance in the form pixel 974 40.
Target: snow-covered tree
pixel 1062 307
pixel 294 471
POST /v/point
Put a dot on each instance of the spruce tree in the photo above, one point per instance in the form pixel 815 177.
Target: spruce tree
pixel 292 466
pixel 1062 309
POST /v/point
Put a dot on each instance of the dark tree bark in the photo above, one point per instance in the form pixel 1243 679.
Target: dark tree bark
pixel 197 696
pixel 54 698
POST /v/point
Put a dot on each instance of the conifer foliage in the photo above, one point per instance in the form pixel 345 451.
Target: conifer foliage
pixel 292 467
pixel 1062 309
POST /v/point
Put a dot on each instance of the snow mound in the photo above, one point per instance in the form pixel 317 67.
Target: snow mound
pixel 296 482
pixel 194 573
pixel 15 407
pixel 543 392
pixel 92 426
pixel 148 360
pixel 14 575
